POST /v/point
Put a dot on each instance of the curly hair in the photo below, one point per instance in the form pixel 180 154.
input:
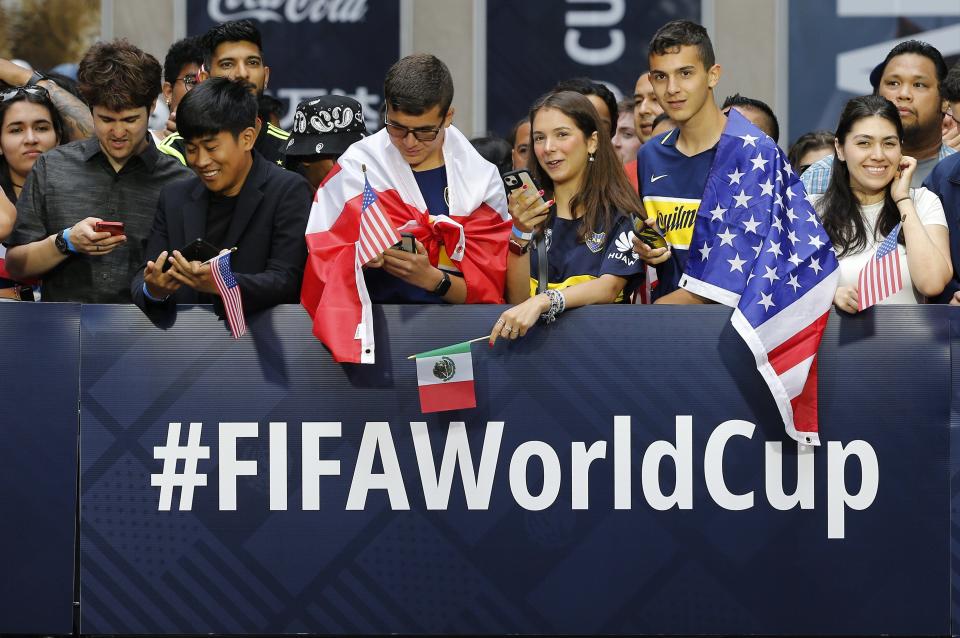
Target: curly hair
pixel 119 76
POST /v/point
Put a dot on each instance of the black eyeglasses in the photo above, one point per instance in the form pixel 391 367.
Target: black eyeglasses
pixel 189 81
pixel 11 93
pixel 421 134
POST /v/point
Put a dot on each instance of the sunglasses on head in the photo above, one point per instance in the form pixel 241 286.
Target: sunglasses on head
pixel 13 92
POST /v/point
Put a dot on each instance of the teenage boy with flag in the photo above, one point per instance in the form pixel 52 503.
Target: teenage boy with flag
pixel 738 226
pixel 422 174
pixel 238 199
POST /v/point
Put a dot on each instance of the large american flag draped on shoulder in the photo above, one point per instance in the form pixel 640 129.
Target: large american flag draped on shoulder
pixel 881 276
pixel 471 240
pixel 758 246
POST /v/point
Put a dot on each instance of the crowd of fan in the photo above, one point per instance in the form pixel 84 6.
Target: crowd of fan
pixel 97 208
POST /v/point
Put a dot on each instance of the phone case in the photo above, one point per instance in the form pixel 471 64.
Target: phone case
pixel 515 180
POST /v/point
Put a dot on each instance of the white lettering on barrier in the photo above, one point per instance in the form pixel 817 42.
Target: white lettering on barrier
pixel 287 10
pixel 713 465
pixel 477 484
pixel 551 475
pixel 478 479
pixel 682 456
pixel 838 498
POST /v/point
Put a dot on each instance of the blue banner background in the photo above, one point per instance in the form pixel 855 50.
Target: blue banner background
pixel 38 466
pixel 317 48
pixel 527 54
pixel 885 379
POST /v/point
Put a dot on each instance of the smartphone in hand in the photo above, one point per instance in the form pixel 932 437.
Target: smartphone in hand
pixel 114 228
pixel 407 243
pixel 516 180
pixel 648 234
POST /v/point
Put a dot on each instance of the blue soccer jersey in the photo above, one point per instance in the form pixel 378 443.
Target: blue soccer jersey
pixel 671 185
pixel 572 262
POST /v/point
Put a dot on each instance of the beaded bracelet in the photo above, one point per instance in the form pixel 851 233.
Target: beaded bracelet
pixel 558 303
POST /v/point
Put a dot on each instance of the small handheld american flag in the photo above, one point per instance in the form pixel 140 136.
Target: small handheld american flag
pixel 376 232
pixel 229 292
pixel 881 277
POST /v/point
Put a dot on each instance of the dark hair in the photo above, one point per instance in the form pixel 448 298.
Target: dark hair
pixel 916 47
pixel 748 102
pixel 512 136
pixel 839 207
pixel 216 105
pixel 268 105
pixel 181 53
pixel 233 31
pixel 586 86
pixel 625 105
pixel 495 150
pixel 417 83
pixel 679 33
pixel 118 76
pixel 659 118
pixel 41 98
pixel 809 142
pixel 605 192
pixel 950 86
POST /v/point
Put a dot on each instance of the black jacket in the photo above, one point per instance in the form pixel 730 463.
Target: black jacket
pixel 267 229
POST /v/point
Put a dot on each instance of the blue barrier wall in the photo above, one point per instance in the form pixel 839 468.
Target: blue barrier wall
pixel 337 522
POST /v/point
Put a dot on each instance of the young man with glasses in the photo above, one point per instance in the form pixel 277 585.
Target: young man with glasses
pixel 945 182
pixel 428 181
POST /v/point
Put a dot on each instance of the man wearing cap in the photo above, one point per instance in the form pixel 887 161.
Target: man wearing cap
pixel 911 77
pixel 238 199
pixel 323 128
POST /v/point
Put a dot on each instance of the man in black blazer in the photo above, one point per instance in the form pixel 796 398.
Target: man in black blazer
pixel 238 200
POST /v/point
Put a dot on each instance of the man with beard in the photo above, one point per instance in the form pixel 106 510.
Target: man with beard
pixel 911 78
pixel 234 50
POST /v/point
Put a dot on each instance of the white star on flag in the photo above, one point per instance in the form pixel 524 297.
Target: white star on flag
pixel 794 283
pixel 705 251
pixel 717 213
pixel 759 163
pixel 815 241
pixel 751 225
pixel 766 188
pixel 774 248
pixel 749 140
pixel 766 300
pixel 726 237
pixel 742 199
pixel 815 265
pixel 771 274
pixel 736 263
pixel 735 176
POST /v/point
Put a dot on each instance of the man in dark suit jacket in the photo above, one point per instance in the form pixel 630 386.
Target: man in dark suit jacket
pixel 238 200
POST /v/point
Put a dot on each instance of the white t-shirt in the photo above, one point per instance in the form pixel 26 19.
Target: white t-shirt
pixel 929 210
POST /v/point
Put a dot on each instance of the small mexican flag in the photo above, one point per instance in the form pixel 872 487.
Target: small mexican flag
pixel 445 377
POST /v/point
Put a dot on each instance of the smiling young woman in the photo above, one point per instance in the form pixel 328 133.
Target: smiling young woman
pixel 869 194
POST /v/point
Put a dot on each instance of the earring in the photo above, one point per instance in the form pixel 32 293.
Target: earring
pixel 589 157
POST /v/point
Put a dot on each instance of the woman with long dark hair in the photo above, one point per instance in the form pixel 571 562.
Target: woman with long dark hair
pixel 585 218
pixel 30 125
pixel 869 194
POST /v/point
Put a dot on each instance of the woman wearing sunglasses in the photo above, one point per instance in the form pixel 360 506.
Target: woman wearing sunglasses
pixel 30 125
pixel 585 219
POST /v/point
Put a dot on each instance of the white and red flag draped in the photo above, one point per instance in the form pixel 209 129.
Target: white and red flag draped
pixel 470 240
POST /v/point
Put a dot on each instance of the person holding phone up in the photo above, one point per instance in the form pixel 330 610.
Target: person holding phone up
pixel 869 194
pixel 584 226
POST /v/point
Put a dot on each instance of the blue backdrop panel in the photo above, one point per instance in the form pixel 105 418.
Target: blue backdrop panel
pixel 38 466
pixel 315 48
pixel 823 42
pixel 885 380
pixel 531 45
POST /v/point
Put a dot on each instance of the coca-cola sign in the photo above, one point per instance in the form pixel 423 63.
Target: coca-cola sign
pixel 295 11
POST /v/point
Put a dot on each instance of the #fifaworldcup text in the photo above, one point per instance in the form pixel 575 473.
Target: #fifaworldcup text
pixel 180 468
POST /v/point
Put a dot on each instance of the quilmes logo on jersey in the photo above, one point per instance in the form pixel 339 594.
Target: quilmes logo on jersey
pixel 675 216
pixel 444 369
pixel 288 10
pixel 623 250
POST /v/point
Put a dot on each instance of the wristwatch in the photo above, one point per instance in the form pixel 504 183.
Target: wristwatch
pixel 517 248
pixel 61 243
pixel 444 286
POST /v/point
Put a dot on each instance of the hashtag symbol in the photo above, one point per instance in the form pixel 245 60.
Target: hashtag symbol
pixel 170 478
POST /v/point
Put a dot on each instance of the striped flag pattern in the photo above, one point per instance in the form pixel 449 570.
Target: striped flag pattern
pixel 881 277
pixel 376 232
pixel 229 292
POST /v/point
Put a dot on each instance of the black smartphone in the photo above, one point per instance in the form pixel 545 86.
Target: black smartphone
pixel 197 250
pixel 407 243
pixel 516 180
pixel 648 234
